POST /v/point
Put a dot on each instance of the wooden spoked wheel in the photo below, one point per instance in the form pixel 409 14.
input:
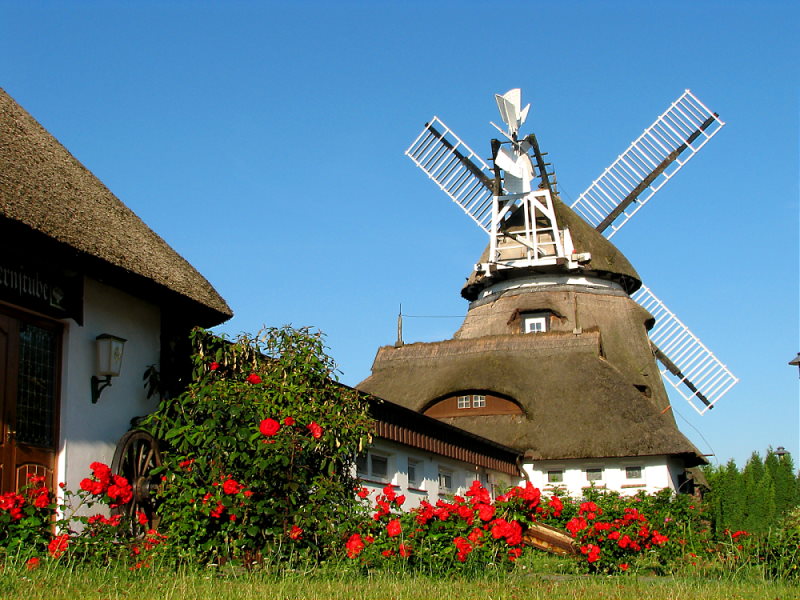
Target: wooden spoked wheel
pixel 135 458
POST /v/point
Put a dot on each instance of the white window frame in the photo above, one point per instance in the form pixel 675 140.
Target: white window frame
pixel 595 471
pixel 370 474
pixel 419 475
pixel 444 474
pixel 464 402
pixel 551 474
pixel 630 469
pixel 478 400
pixel 535 322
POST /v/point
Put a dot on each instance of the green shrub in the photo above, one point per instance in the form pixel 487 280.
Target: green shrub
pixel 260 449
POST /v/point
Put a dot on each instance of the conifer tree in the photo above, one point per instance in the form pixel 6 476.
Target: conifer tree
pixel 783 474
pixel 732 497
pixel 756 496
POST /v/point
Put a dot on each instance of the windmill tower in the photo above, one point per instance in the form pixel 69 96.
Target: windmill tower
pixel 553 357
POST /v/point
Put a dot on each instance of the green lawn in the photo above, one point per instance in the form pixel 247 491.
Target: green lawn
pixel 53 583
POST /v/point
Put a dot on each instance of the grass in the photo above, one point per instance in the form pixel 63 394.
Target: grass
pixel 57 581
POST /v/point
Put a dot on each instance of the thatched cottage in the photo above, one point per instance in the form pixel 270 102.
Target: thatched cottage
pixel 77 264
pixel 554 362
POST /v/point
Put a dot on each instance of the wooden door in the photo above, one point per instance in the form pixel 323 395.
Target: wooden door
pixel 29 400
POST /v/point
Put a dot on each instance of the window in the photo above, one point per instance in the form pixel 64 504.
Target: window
pixel 594 474
pixel 445 480
pixel 414 473
pixel 555 476
pixel 372 466
pixel 633 472
pixel 472 401
pixel 535 322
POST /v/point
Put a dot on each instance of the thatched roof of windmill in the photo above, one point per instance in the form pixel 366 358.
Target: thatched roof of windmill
pixel 47 192
pixel 575 404
pixel 606 260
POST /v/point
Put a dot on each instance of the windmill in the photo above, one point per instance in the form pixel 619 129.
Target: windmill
pixel 528 231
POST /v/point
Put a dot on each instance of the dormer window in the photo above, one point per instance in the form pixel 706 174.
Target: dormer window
pixel 535 322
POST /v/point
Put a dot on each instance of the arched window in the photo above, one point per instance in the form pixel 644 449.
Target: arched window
pixel 468 403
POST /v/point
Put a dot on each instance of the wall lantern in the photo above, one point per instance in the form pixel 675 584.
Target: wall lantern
pixel 109 362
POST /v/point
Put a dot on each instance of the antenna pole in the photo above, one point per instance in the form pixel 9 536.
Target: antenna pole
pixel 399 341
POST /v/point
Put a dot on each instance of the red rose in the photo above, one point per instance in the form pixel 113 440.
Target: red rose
pixel 316 430
pixel 296 533
pixel 354 545
pixel 58 545
pixel 253 378
pixel 623 566
pixel 231 486
pixel 42 500
pixel 478 493
pixel 394 528
pixel 32 563
pixel 214 366
pixel 389 492
pixel 557 506
pixel 363 492
pixel 120 491
pixel 485 512
pixel 575 525
pixel 289 421
pixel 405 551
pixel 101 472
pixel 91 486
pixel 269 427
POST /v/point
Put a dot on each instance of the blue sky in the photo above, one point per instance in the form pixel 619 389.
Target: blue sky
pixel 264 141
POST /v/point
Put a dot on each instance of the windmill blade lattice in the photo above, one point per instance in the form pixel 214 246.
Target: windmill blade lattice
pixel 456 169
pixel 648 163
pixel 688 365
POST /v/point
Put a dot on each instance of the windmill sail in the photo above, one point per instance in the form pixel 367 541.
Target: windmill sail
pixel 648 163
pixel 688 365
pixel 456 169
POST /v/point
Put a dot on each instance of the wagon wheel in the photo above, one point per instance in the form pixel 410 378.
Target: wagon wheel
pixel 135 458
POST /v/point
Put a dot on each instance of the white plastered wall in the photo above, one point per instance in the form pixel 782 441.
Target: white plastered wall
pixel 657 473
pixel 89 432
pixel 463 474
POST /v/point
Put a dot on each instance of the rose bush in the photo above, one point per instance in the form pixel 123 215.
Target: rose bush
pixel 37 524
pixel 259 449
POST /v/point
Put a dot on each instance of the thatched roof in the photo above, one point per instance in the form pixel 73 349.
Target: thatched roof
pixel 607 261
pixel 46 191
pixel 575 403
